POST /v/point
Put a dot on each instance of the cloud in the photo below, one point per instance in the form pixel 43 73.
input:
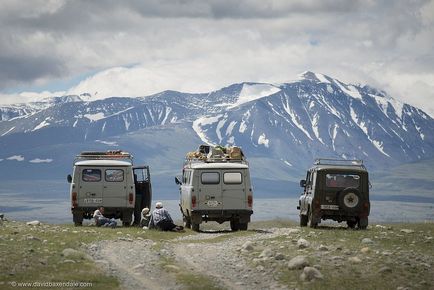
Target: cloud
pixel 16 157
pixel 141 47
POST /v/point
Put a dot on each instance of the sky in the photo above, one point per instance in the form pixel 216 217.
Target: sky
pixel 140 47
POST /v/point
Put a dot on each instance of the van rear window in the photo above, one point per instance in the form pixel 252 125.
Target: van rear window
pixel 114 175
pixel 342 180
pixel 91 175
pixel 232 178
pixel 210 178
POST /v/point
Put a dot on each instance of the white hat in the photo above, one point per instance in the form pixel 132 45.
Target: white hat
pixel 145 210
pixel 159 205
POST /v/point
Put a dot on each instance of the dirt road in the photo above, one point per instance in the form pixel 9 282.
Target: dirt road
pixel 212 259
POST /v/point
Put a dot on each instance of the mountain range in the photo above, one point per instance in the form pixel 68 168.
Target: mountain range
pixel 281 127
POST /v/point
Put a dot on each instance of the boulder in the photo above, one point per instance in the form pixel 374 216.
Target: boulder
pixel 298 262
pixel 302 244
pixel 367 241
pixel 266 253
pixel 407 231
pixel 33 223
pixel 247 246
pixel 355 260
pixel 310 274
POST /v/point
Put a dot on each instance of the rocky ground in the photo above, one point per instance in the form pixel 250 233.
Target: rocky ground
pixel 270 255
pixel 275 258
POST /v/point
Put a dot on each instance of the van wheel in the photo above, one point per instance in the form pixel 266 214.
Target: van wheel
pixel 187 222
pixel 243 226
pixel 362 223
pixel 351 224
pixel 310 222
pixel 303 220
pixel 235 225
pixel 195 227
pixel 77 217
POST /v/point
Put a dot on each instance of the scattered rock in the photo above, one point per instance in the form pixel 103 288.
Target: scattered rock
pixel 367 241
pixel 293 231
pixel 303 244
pixel 139 267
pixel 407 231
pixel 32 238
pixel 365 250
pixel 384 270
pixel 266 253
pixel 71 253
pixel 355 260
pixel 125 239
pixel 298 262
pixel 33 223
pixel 310 274
pixel 172 268
pixel 403 288
pixel 323 248
pixel 380 227
pixel 279 256
pixel 247 246
pixel 68 261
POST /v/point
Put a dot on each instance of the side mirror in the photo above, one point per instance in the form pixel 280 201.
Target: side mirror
pixel 177 181
pixel 302 183
pixel 69 178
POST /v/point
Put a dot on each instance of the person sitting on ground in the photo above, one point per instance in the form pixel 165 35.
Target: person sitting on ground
pixel 161 219
pixel 101 220
pixel 146 217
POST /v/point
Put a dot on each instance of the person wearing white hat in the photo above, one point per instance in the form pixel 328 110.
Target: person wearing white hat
pixel 146 217
pixel 161 219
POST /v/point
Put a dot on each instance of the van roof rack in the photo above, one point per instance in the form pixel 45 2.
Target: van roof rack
pixel 342 162
pixel 104 155
pixel 215 160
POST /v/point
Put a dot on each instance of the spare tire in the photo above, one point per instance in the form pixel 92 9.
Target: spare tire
pixel 350 199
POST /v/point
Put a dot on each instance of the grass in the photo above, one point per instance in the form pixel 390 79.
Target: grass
pixel 408 257
pixel 39 259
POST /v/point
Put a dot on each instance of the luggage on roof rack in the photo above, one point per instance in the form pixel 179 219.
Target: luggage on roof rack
pixel 344 162
pixel 109 154
pixel 208 154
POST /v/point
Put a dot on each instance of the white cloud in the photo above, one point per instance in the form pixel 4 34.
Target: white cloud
pixel 139 48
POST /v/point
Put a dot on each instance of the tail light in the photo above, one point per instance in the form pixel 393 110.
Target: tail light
pixel 250 201
pixel 74 199
pixel 131 198
pixel 193 201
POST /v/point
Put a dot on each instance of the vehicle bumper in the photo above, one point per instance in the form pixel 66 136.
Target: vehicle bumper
pixel 220 216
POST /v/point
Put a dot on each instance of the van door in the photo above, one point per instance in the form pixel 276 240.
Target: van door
pixel 115 187
pixel 234 189
pixel 90 182
pixel 210 190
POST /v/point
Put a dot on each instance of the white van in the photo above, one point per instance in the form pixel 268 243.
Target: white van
pixel 216 189
pixel 108 179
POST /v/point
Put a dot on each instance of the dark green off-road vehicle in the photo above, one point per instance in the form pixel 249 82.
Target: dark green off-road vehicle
pixel 335 189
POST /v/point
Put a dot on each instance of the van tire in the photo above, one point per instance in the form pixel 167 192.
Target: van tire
pixel 303 220
pixel 235 225
pixel 243 226
pixel 195 227
pixel 77 218
pixel 187 222
pixel 310 222
pixel 362 223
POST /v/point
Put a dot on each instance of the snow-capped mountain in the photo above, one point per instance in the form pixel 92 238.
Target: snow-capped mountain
pixel 281 127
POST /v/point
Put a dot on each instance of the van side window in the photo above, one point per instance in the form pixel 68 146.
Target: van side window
pixel 91 175
pixel 114 175
pixel 210 178
pixel 232 178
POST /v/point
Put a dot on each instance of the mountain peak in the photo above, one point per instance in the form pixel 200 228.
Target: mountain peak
pixel 316 77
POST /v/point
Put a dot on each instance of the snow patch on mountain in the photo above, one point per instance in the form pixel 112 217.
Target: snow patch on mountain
pixel 95 117
pixel 38 160
pixel 42 125
pixel 109 143
pixel 203 121
pixel 10 130
pixel 322 78
pixel 350 90
pixel 251 92
pixel 16 157
pixel 262 140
